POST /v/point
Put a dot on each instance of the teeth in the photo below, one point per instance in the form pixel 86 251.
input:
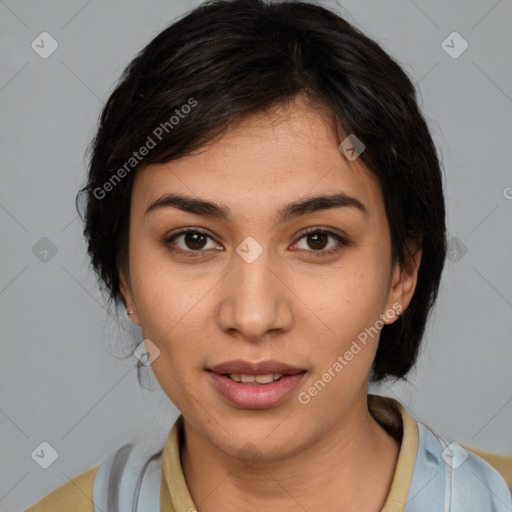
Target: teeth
pixel 264 379
pixel 260 379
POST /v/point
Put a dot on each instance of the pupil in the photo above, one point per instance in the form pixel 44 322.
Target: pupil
pixel 316 237
pixel 194 238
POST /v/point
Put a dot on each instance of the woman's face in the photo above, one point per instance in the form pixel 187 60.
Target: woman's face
pixel 250 285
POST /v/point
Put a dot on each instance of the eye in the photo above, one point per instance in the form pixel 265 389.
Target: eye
pixel 194 240
pixel 317 238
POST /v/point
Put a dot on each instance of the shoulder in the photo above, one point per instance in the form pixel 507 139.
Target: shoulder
pixel 129 476
pixel 447 474
pixel 75 495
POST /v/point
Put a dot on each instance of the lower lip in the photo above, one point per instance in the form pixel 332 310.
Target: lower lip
pixel 255 396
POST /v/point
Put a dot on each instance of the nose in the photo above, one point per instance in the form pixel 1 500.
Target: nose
pixel 256 301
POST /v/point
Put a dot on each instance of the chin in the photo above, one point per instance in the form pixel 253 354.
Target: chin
pixel 263 437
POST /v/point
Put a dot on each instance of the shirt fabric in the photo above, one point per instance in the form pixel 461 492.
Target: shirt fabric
pixel 76 495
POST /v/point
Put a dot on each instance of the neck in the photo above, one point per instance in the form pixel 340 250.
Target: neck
pixel 330 475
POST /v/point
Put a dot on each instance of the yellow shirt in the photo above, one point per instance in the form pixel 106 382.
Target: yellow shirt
pixel 76 495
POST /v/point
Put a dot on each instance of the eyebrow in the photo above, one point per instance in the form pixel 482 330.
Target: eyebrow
pixel 289 211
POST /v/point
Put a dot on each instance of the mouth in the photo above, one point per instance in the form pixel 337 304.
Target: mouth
pixel 249 385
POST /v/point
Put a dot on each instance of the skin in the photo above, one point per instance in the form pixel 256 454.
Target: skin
pixel 289 305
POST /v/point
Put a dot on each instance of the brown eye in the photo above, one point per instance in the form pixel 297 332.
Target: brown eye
pixel 194 241
pixel 317 242
pixel 190 242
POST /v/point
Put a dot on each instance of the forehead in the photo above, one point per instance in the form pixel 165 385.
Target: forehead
pixel 267 160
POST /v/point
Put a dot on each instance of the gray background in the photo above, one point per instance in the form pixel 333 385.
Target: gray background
pixel 62 380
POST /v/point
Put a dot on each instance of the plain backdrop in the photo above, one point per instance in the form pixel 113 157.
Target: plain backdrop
pixel 62 379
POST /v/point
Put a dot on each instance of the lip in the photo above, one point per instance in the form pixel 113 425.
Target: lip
pixel 255 395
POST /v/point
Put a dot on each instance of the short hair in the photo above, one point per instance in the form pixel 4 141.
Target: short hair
pixel 226 60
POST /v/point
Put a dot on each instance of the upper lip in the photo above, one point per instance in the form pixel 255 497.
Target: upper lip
pixel 239 366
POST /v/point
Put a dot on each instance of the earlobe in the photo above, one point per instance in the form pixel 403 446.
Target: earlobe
pixel 129 303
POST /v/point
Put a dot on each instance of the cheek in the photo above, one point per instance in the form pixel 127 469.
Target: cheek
pixel 170 314
pixel 350 304
pixel 170 310
pixel 344 356
pixel 169 303
pixel 351 298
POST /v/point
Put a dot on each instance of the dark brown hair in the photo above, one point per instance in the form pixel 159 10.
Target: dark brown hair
pixel 225 60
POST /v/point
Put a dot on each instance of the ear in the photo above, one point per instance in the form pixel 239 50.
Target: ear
pixel 403 280
pixel 126 292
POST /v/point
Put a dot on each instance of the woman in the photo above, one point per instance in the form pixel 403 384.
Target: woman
pixel 265 200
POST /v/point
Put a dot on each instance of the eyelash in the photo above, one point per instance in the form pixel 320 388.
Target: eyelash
pixel 343 242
